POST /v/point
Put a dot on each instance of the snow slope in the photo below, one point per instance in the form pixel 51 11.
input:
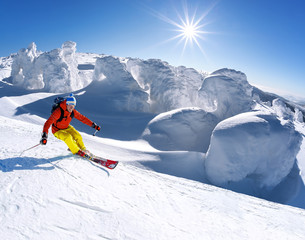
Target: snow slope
pixel 47 193
pixel 176 133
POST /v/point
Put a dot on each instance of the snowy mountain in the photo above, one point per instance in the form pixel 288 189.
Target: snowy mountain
pixel 202 155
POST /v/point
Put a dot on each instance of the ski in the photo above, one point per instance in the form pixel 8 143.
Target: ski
pixel 102 161
pixel 111 164
pixel 105 162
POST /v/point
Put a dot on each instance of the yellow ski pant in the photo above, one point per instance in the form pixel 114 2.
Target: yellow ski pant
pixel 72 138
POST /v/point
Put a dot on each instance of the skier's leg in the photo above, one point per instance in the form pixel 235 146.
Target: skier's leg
pixel 77 137
pixel 68 139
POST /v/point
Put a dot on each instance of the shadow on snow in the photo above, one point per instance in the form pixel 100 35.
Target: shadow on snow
pixel 27 163
pixel 31 163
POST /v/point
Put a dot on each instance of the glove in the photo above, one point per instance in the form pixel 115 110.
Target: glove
pixel 44 138
pixel 98 128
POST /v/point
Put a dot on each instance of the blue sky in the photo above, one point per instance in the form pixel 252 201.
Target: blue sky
pixel 263 38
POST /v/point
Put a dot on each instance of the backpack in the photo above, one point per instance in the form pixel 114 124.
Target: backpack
pixel 56 104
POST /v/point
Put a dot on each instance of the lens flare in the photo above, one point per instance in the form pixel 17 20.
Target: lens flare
pixel 190 29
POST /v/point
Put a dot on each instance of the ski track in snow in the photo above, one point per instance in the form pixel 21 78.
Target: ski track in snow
pixel 47 193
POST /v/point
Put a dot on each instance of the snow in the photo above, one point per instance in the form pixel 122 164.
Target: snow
pixel 49 193
pixel 202 155
pixel 226 93
pixel 288 95
pixel 188 129
pixel 169 87
pixel 5 67
pixel 54 71
pixel 257 156
pixel 111 74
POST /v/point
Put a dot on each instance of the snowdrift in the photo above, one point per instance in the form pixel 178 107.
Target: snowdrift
pixel 186 129
pixel 261 154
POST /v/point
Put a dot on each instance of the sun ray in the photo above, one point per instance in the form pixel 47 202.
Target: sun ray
pixel 189 27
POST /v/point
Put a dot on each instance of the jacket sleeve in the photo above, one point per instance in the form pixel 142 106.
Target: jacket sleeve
pixel 53 118
pixel 82 118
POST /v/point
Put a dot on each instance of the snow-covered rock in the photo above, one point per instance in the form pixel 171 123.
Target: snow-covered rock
pixel 23 69
pixel 252 149
pixel 114 74
pixel 281 109
pixel 298 115
pixel 6 66
pixel 54 71
pixel 164 88
pixel 86 65
pixel 187 129
pixel 226 93
pixel 112 78
pixel 169 87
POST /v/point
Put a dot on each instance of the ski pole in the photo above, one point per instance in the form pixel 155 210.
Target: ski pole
pixel 29 149
pixel 95 132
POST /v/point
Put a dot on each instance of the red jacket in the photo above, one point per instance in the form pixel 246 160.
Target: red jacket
pixel 64 123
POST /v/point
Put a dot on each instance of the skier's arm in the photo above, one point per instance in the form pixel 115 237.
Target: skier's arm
pixel 85 120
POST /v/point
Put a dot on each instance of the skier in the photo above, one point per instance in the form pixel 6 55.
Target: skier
pixel 60 120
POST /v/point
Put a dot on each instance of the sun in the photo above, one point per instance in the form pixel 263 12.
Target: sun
pixel 189 31
pixel 190 28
